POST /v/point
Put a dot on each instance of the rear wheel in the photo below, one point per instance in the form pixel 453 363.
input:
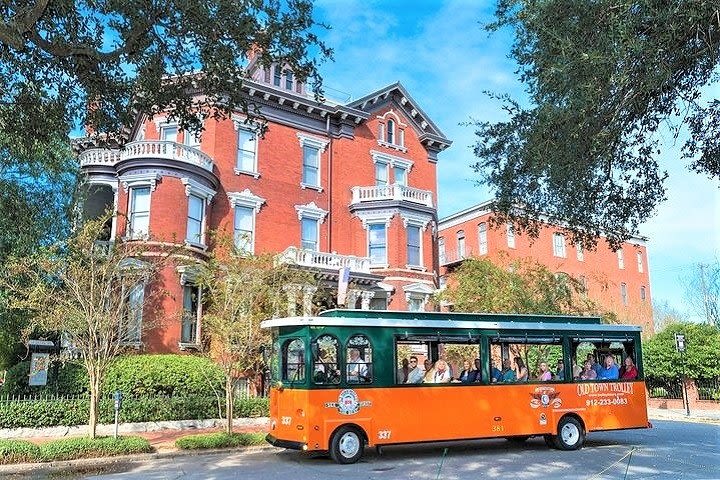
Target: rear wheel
pixel 346 445
pixel 571 434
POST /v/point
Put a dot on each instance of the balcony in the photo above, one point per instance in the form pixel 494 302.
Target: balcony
pixel 332 261
pixel 392 192
pixel 147 149
pixel 450 257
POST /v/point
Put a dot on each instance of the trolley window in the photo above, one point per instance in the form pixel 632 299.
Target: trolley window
pixel 359 360
pixel 293 361
pixel 325 360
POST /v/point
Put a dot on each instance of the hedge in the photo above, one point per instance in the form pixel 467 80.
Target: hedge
pixel 21 451
pixel 137 375
pixel 50 412
pixel 219 440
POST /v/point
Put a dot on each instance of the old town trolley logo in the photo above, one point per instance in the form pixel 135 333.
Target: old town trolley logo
pixel 604 394
pixel 348 403
pixel 545 397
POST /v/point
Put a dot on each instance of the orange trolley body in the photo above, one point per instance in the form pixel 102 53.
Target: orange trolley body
pixel 311 417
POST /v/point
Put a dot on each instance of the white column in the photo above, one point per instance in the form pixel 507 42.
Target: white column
pixel 365 297
pixel 292 291
pixel 308 292
pixel 351 297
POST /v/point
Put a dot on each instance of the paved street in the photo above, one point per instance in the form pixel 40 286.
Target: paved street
pixel 672 450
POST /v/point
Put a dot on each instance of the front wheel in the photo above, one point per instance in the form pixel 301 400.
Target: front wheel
pixel 346 445
pixel 570 434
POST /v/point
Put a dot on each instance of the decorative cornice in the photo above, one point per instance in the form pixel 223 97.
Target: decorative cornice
pixel 311 210
pixel 376 216
pixel 312 141
pixel 140 180
pixel 392 160
pixel 245 199
pixel 198 189
pixel 418 220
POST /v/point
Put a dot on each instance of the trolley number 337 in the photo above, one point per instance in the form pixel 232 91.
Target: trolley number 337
pixel 384 434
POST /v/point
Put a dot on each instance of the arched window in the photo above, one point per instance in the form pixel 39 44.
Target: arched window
pixel 325 360
pixel 482 239
pixel 391 131
pixel 460 244
pixel 293 361
pixel 359 365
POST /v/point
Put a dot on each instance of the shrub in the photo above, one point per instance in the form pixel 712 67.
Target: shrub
pixel 18 451
pixel 174 375
pixel 219 440
pixel 70 448
pixel 50 412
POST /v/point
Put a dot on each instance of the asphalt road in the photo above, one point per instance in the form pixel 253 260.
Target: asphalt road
pixel 672 450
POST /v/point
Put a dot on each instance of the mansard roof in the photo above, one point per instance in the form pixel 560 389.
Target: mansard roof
pixel 428 133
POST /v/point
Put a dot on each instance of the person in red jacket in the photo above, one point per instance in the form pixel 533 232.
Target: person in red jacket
pixel 629 370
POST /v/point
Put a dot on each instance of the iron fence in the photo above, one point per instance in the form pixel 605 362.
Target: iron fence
pixel 708 388
pixel 670 388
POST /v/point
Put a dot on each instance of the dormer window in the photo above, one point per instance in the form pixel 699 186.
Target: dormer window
pixel 277 77
pixel 391 131
pixel 288 80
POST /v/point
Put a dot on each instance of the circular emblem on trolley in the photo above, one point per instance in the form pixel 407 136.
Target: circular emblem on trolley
pixel 545 399
pixel 348 402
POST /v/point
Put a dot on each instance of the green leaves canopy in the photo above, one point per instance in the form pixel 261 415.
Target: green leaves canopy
pixel 602 77
pixel 661 360
pixel 525 287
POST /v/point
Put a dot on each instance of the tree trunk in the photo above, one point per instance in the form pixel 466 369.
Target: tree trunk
pixel 94 401
pixel 229 404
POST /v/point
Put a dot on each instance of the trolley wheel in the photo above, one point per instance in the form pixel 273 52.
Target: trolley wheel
pixel 570 434
pixel 347 445
pixel 517 438
pixel 549 440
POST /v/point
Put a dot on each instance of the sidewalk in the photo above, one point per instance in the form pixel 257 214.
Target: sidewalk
pixel 680 415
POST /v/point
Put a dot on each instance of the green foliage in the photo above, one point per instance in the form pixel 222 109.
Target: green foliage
pixel 18 451
pixel 57 411
pixel 661 360
pixel 63 379
pixel 219 440
pixel 57 58
pixel 21 451
pixel 603 77
pixel 174 375
pixel 480 285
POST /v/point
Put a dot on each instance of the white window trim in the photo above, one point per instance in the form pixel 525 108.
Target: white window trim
pixel 580 252
pixel 130 182
pixel 399 132
pixel 510 234
pixel 367 243
pixel 320 144
pixel 137 344
pixel 422 222
pixel 621 259
pixel 317 231
pixel 418 291
pixel 239 124
pixel 392 161
pixel 640 262
pixel 311 211
pixel 246 199
pixel 482 245
pixel 206 194
pixel 188 276
pixel 559 250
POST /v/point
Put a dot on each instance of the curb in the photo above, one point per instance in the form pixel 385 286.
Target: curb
pixel 95 462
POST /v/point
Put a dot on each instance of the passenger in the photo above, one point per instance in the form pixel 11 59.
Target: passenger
pixel 476 375
pixel 595 366
pixel 522 371
pixel 577 370
pixel 466 375
pixel 544 375
pixel 357 370
pixel 403 372
pixel 429 371
pixel 416 373
pixel 508 374
pixel 629 370
pixel 610 370
pixel 496 375
pixel 560 370
pixel 588 373
pixel 442 372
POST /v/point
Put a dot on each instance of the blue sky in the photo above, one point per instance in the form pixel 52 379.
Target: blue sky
pixel 439 51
